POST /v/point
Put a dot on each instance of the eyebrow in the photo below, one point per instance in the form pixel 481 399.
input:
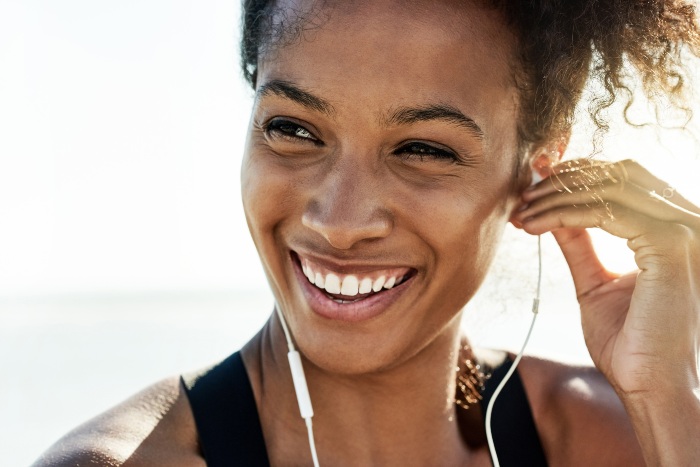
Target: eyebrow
pixel 401 116
pixel 295 93
pixel 446 113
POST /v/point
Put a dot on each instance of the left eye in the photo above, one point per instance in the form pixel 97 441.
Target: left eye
pixel 416 150
pixel 289 130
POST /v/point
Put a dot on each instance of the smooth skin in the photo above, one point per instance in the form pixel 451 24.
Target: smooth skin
pixel 386 136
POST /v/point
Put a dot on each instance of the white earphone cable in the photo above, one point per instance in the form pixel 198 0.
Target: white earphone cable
pixel 300 387
pixel 312 442
pixel 511 370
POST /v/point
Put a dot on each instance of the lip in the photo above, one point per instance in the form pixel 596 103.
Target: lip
pixel 345 267
pixel 361 310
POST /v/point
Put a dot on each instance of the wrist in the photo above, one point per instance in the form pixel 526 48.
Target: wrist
pixel 656 381
pixel 661 396
pixel 664 422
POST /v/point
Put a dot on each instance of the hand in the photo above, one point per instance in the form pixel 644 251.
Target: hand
pixel 642 329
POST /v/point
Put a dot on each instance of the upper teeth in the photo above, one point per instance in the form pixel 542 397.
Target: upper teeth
pixel 350 284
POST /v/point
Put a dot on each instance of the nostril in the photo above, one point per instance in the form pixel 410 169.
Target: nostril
pixel 344 230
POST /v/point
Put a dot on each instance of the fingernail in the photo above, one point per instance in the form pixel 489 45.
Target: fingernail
pixel 523 207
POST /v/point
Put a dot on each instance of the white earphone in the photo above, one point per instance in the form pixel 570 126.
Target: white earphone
pixel 536 177
pixel 300 387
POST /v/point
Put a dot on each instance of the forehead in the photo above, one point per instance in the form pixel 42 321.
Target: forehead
pixel 393 52
pixel 427 22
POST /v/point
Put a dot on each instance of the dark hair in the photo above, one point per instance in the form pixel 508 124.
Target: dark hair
pixel 561 44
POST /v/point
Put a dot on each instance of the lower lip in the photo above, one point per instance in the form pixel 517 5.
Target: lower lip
pixel 361 310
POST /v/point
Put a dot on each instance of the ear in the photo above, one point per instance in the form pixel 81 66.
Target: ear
pixel 539 163
pixel 545 157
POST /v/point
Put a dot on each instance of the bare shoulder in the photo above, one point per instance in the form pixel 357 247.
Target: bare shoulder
pixel 153 427
pixel 580 418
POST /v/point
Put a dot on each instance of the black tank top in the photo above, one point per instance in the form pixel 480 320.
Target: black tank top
pixel 230 433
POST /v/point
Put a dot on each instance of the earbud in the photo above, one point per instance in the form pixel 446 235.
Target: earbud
pixel 543 160
pixel 536 177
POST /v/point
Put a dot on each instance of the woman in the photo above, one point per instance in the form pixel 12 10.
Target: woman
pixel 389 144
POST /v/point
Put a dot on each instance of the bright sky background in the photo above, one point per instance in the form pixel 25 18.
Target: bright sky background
pixel 121 131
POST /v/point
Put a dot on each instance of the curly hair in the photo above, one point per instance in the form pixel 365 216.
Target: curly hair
pixel 561 45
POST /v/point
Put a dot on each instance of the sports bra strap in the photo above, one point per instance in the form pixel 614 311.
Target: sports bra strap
pixel 226 416
pixel 513 427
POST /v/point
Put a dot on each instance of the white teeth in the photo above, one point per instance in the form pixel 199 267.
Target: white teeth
pixel 309 275
pixel 365 285
pixel 378 284
pixel 350 286
pixel 320 281
pixel 332 284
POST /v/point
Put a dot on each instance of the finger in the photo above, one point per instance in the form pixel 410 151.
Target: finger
pixel 638 174
pixel 588 175
pixel 610 217
pixel 586 269
pixel 661 249
pixel 626 194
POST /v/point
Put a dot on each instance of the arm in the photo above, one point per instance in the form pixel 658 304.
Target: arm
pixel 580 419
pixel 641 329
pixel 154 427
pixel 667 426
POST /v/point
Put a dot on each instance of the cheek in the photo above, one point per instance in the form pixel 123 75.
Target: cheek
pixel 475 240
pixel 463 229
pixel 268 194
pixel 267 202
pixel 255 195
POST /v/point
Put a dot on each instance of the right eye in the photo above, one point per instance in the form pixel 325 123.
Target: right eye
pixel 289 130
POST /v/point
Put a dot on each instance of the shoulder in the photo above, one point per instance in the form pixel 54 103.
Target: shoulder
pixel 580 418
pixel 154 427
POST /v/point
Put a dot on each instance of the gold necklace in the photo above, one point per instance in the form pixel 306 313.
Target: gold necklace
pixel 470 379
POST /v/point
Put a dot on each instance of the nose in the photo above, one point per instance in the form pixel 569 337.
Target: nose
pixel 347 207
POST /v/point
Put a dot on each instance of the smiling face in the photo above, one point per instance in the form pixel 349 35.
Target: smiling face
pixel 378 174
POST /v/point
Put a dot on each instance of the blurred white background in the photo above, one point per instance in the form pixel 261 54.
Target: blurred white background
pixel 124 254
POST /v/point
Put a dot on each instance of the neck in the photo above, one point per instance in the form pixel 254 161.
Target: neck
pixel 400 416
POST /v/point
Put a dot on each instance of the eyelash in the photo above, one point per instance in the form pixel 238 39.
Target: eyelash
pixel 412 150
pixel 289 130
pixel 415 149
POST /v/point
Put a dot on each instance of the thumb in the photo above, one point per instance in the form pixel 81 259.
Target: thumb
pixel 586 269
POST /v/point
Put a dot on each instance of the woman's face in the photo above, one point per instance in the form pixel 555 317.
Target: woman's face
pixel 382 144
